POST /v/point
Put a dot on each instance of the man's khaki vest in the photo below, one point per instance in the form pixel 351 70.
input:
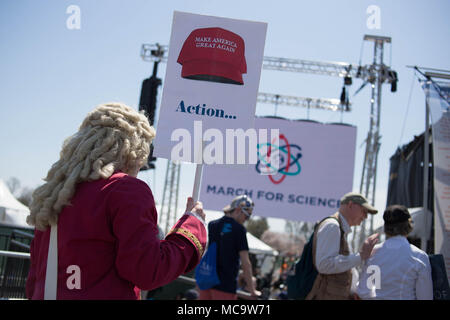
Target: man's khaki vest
pixel 332 286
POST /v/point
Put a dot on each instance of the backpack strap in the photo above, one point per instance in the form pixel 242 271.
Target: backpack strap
pixel 217 235
pixel 316 228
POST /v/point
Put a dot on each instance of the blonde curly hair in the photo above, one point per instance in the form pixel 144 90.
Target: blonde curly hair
pixel 112 137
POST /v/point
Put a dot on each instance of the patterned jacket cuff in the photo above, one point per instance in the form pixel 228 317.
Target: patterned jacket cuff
pixel 194 214
pixel 193 229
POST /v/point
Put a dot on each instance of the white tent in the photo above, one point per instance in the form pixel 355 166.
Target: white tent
pixel 422 223
pixel 12 212
pixel 255 245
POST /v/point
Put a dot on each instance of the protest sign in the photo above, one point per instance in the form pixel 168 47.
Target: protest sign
pixel 438 100
pixel 316 165
pixel 211 83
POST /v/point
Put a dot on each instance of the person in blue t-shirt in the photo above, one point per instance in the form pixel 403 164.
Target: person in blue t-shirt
pixel 232 247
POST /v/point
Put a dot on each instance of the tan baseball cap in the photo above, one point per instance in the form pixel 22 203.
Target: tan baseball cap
pixel 358 199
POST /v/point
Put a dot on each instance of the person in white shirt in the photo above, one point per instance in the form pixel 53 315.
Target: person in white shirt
pixel 331 254
pixel 397 270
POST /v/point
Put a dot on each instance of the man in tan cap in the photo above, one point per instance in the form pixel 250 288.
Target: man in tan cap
pixel 331 254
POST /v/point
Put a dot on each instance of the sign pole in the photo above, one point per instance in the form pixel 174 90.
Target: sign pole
pixel 198 156
pixel 197 182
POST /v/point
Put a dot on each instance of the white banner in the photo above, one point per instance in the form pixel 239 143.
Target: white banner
pixel 212 79
pixel 315 169
pixel 438 102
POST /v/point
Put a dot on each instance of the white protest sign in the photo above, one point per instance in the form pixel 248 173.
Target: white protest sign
pixel 438 97
pixel 211 83
pixel 316 165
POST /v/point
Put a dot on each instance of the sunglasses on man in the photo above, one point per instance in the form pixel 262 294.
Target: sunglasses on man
pixel 244 211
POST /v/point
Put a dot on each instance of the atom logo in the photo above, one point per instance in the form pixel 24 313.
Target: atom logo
pixel 278 159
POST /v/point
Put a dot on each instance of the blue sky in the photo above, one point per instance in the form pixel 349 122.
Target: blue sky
pixel 52 76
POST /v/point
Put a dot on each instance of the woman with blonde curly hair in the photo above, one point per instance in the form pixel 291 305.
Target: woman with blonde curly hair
pixel 106 218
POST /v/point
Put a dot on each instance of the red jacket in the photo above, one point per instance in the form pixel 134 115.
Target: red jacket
pixel 110 233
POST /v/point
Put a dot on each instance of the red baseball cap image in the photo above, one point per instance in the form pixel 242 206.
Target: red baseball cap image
pixel 213 54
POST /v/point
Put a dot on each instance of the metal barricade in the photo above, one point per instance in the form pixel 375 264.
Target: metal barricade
pixel 15 264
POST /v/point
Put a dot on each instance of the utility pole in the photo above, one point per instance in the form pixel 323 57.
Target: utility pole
pixel 169 205
pixel 378 73
pixel 147 101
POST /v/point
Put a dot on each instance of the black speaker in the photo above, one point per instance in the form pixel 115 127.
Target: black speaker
pixel 149 92
pixel 150 161
pixel 147 102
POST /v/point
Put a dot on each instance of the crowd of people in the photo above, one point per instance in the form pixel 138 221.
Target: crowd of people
pixel 403 270
pixel 105 221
